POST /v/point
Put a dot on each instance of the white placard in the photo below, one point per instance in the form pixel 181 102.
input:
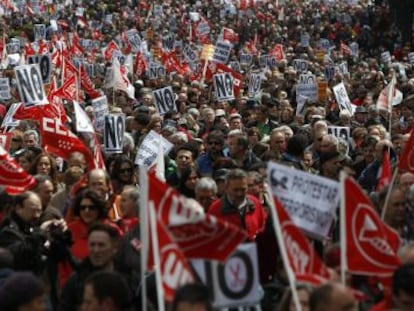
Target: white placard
pixel 343 132
pixel 342 98
pixel 8 118
pixel 300 65
pixel 134 40
pixel 223 86
pixel 39 32
pixel 255 81
pixel 30 85
pixel 222 51
pixel 156 71
pixel 246 59
pixel 411 58
pixel 164 100
pixel 304 40
pixel 310 200
pixel 307 87
pixel 189 54
pixel 45 65
pixel 149 148
pixel 114 130
pixel 100 110
pixel 386 57
pixel 234 283
pixel 4 89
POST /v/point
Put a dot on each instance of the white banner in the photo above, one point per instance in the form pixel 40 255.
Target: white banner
pixel 30 85
pixel 234 283
pixel 114 130
pixel 311 200
pixel 4 89
pixel 149 148
pixel 164 100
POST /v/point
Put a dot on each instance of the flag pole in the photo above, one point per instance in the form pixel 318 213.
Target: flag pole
pixel 282 247
pixel 342 227
pixel 156 254
pixel 143 227
pixel 387 198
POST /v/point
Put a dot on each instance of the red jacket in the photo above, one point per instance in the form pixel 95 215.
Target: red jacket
pixel 253 220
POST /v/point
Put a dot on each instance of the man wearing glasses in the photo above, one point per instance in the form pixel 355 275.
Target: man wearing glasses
pixel 214 151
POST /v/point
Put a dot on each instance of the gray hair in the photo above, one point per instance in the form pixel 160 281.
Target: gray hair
pixel 206 183
pixel 32 132
pixel 236 173
pixel 129 141
pixel 181 136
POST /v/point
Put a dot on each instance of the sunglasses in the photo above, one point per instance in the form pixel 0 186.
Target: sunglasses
pixel 125 170
pixel 89 207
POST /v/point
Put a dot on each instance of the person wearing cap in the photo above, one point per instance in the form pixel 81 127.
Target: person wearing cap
pixel 360 117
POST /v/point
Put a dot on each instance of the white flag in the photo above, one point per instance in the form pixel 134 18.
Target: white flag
pixel 83 123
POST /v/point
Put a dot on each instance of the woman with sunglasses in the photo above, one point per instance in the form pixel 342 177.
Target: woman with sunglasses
pixel 122 173
pixel 88 208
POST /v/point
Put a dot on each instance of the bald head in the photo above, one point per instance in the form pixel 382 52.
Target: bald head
pixel 332 296
pixel 98 181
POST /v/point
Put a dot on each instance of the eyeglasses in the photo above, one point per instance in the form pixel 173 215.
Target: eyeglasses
pixel 125 170
pixel 89 207
pixel 214 143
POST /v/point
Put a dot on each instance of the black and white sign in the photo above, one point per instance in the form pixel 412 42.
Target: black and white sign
pixel 156 71
pixel 4 89
pixel 234 283
pixel 246 59
pixel 149 148
pixel 39 32
pixel 13 48
pixel 168 42
pixel 45 65
pixel 223 85
pixel 329 72
pixel 343 68
pixel 342 98
pixel 386 57
pixel 311 200
pixel 30 85
pixel 324 44
pixel 189 54
pixel 222 51
pixel 300 65
pixel 235 66
pixel 203 29
pixel 343 132
pixel 164 100
pixel 100 110
pixel 134 39
pixel 307 87
pixel 8 120
pixel 114 133
pixel 354 49
pixel 304 40
pixel 411 58
pixel 255 81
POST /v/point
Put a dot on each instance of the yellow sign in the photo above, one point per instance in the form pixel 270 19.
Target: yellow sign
pixel 322 91
pixel 207 52
pixel 319 56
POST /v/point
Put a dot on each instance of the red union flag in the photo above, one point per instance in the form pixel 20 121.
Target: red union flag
pixel 57 139
pixel 406 161
pixel 110 49
pixel 305 263
pixel 385 177
pixel 68 90
pixel 175 270
pixel 277 52
pixel 371 246
pixel 12 176
pixel 198 235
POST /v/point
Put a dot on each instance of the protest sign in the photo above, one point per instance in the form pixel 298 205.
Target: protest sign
pixel 324 44
pixel 149 148
pixel 203 29
pixel 134 39
pixel 307 87
pixel 343 132
pixel 39 32
pixel 4 89
pixel 354 49
pixel 255 81
pixel 114 130
pixel 5 140
pixel 156 71
pixel 222 51
pixel 30 85
pixel 300 65
pixel 342 98
pixel 8 120
pixel 45 65
pixel 386 57
pixel 168 42
pixel 223 86
pixel 411 58
pixel 304 40
pixel 234 283
pixel 246 59
pixel 329 72
pixel 322 91
pixel 189 54
pixel 100 110
pixel 164 100
pixel 207 52
pixel 311 200
pixel 13 48
pixel 235 66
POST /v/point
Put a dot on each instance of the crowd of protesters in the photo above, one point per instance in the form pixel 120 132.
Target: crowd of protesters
pixel 72 242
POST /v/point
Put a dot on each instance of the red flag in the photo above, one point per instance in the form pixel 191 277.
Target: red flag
pixel 110 49
pixel 13 177
pixel 198 235
pixel 371 246
pixel 69 70
pixel 385 177
pixel 304 261
pixel 87 84
pixel 76 48
pixel 57 139
pixel 175 270
pixel 406 161
pixel 140 65
pixel 230 35
pixel 345 50
pixel 277 52
pixel 68 90
pixel 214 68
